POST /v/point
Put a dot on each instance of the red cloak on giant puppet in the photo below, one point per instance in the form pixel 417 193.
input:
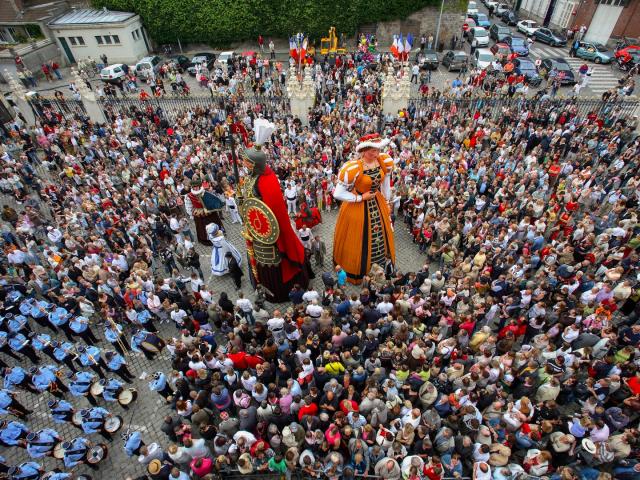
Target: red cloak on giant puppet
pixel 276 255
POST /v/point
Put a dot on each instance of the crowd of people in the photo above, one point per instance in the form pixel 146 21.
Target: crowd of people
pixel 508 351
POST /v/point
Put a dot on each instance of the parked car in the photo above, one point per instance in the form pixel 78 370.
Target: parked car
pixel 481 20
pixel 472 7
pixel 148 67
pixel 524 66
pixel 224 56
pixel 501 50
pixel 455 60
pixel 550 37
pixel 207 59
pixel 181 61
pixel 501 8
pixel 510 17
pixel 498 32
pixel 566 75
pixel 480 35
pixel 490 3
pixel 518 45
pixel 482 58
pixel 431 61
pixel 595 52
pixel 528 27
pixel 113 73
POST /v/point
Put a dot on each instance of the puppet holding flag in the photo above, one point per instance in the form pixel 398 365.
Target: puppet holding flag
pixel 276 255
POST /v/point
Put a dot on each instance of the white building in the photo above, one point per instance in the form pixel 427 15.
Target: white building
pixel 83 33
pixel 561 16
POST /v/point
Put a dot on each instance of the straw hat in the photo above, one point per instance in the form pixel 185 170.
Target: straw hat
pixel 154 467
pixel 561 442
pixel 245 467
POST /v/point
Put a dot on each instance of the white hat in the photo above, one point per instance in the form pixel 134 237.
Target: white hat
pixel 373 140
pixel 589 446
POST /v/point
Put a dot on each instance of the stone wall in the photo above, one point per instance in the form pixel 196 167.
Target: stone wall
pixel 33 55
pixel 424 21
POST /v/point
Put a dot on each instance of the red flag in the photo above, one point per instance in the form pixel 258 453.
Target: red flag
pixel 238 127
pixel 293 50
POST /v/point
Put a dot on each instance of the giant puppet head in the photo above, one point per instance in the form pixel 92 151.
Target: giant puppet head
pixel 254 157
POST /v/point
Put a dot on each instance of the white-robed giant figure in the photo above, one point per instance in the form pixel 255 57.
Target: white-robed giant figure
pixel 219 262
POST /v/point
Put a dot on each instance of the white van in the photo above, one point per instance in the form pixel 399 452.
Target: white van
pixel 147 65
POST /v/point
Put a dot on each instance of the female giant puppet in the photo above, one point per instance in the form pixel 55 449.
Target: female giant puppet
pixel 364 233
pixel 276 255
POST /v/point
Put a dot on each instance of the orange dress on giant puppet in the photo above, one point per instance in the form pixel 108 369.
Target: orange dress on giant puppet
pixel 364 232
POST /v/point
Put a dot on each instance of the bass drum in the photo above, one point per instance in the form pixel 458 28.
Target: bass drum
pixel 77 418
pixel 97 453
pixel 127 396
pixel 58 451
pixel 152 343
pixel 113 424
pixel 96 389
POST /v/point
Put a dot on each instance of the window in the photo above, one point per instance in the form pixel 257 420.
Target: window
pixel 134 34
pixel 73 40
pixel 76 41
pixel 614 3
pixel 80 40
pixel 99 39
pixel 116 38
pixel 107 39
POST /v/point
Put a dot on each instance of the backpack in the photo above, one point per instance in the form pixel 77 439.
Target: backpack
pixel 328 280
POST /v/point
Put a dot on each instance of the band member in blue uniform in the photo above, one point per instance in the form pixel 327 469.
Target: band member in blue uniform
pixel 40 444
pixel 10 405
pixel 117 364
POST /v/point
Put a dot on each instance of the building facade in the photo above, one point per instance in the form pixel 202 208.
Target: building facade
pixel 84 33
pixel 605 20
pixel 554 13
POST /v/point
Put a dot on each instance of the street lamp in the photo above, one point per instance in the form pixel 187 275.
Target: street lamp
pixel 439 23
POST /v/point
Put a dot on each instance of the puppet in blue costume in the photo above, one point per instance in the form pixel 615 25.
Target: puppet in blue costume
pixel 219 261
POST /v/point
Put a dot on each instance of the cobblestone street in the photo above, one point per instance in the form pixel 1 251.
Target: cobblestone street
pixel 148 410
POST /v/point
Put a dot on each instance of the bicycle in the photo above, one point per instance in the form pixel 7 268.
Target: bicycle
pixel 89 67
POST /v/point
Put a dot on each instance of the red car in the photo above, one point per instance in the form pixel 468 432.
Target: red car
pixel 501 50
pixel 627 51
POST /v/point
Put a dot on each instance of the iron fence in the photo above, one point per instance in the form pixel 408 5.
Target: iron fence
pixel 497 107
pixel 66 108
pixel 171 107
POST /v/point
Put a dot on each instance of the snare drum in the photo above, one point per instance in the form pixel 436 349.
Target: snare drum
pixel 96 389
pixel 97 453
pixel 58 451
pixel 77 418
pixel 152 343
pixel 113 424
pixel 127 396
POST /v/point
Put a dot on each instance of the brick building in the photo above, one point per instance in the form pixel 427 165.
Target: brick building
pixel 605 20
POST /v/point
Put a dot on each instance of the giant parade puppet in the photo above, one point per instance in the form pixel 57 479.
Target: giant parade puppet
pixel 276 255
pixel 364 232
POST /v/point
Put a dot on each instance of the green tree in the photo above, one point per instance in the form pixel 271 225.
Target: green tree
pixel 219 22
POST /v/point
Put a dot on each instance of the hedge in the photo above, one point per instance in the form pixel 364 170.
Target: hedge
pixel 220 22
